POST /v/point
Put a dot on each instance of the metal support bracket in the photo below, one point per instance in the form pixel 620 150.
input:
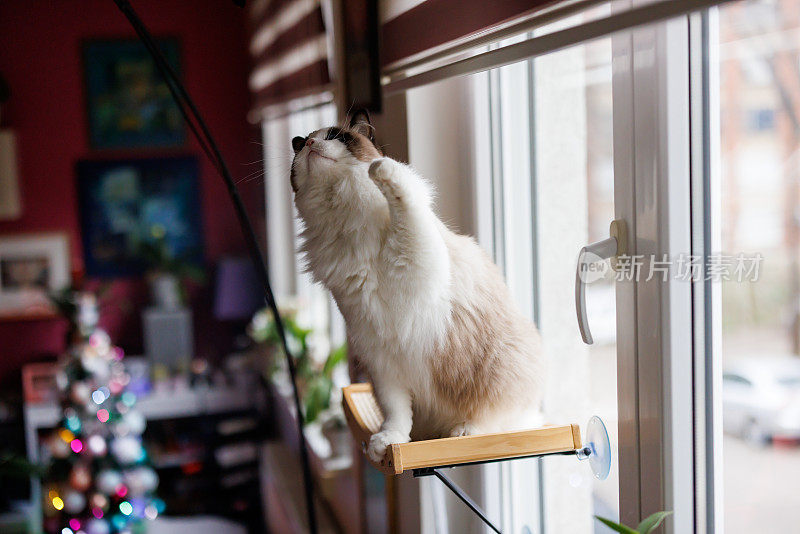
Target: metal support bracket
pixel 582 454
pixel 456 489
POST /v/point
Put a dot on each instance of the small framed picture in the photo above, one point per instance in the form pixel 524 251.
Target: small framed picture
pixel 31 265
pixel 129 105
pixel 127 207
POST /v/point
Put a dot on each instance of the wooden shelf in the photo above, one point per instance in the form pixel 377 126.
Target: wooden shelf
pixel 37 314
pixel 364 419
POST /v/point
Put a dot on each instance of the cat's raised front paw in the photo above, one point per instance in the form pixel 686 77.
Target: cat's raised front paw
pixel 384 173
pixel 381 168
pixel 378 443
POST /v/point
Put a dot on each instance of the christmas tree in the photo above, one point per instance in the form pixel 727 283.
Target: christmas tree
pixel 100 480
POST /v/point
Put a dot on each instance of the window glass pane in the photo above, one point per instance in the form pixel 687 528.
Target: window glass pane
pixel 549 132
pixel 759 204
pixel 574 206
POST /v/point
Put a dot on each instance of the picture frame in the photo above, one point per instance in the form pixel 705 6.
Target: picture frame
pixel 130 203
pixel 128 103
pixel 10 201
pixel 32 266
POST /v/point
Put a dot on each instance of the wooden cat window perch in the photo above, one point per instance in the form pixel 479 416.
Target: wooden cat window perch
pixel 425 458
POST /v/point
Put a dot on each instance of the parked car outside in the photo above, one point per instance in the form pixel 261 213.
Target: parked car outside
pixel 761 398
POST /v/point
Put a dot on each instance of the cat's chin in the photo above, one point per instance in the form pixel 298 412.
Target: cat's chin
pixel 313 155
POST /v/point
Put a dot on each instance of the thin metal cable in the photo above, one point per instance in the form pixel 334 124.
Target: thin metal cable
pixel 211 150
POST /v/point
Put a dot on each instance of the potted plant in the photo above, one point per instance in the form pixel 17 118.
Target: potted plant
pixel 648 524
pixel 166 270
pixel 314 379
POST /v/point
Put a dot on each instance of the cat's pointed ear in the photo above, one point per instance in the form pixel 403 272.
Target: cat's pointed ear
pixel 360 123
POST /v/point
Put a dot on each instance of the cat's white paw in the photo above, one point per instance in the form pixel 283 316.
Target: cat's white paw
pixel 383 173
pixel 378 443
pixel 464 429
pixel 381 168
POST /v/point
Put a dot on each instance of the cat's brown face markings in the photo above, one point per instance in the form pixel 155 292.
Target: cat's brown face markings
pixel 334 150
pixel 359 145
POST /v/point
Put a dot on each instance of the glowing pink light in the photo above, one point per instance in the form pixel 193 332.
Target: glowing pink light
pixel 122 491
pixel 118 353
pixel 102 415
pixel 76 445
pixel 74 524
pixel 97 512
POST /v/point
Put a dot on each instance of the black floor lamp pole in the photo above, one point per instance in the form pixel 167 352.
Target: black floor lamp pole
pixel 209 147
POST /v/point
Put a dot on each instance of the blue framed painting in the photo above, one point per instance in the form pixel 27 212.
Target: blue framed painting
pixel 126 205
pixel 128 102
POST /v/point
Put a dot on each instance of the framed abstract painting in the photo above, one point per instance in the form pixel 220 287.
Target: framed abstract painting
pixel 129 105
pixel 127 206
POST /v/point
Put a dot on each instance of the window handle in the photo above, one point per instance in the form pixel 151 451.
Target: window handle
pixel 613 247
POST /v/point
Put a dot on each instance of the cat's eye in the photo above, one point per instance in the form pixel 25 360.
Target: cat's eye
pixel 298 143
pixel 339 134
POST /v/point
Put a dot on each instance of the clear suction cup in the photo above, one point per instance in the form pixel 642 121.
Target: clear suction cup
pixel 597 448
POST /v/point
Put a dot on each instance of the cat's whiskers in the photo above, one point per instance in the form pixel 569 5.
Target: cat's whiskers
pixel 255 175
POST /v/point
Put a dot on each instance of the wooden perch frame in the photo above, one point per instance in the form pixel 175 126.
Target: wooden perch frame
pixel 365 418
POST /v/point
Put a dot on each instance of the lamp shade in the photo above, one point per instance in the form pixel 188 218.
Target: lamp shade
pixel 238 295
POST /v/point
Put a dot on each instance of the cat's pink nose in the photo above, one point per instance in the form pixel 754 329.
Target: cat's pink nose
pixel 309 142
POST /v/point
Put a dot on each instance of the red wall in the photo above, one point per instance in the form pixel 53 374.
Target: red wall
pixel 40 56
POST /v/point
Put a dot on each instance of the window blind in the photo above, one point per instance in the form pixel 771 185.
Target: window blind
pixel 464 48
pixel 433 23
pixel 291 52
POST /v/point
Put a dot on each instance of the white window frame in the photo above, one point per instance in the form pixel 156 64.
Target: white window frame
pixel 505 222
pixel 706 239
pixel 652 194
pixel 663 142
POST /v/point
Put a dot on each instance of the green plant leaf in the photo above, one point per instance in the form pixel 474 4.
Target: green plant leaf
pixel 615 526
pixel 652 522
pixel 317 397
pixel 334 358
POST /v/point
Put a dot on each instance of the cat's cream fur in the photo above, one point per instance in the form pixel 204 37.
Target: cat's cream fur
pixel 427 312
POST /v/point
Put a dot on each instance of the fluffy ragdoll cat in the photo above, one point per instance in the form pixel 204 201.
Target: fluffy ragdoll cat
pixel 427 312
